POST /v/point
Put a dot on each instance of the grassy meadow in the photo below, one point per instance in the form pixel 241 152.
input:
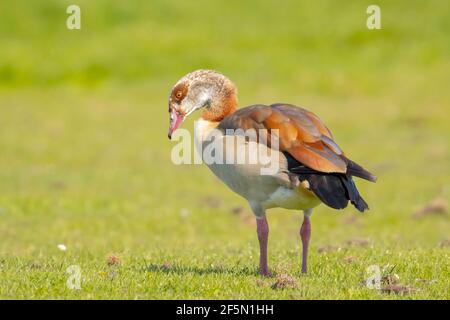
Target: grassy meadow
pixel 85 159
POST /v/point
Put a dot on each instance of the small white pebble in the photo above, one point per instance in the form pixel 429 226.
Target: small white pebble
pixel 62 247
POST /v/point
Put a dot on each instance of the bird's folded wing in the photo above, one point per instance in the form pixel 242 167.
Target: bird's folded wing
pixel 301 134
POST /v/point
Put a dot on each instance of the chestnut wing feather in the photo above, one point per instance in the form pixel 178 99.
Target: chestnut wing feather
pixel 301 134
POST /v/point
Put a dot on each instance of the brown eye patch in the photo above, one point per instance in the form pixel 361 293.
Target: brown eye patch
pixel 179 92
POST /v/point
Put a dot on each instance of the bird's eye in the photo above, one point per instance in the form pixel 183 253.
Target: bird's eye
pixel 178 94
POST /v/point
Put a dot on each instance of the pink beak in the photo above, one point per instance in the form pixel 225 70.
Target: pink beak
pixel 176 120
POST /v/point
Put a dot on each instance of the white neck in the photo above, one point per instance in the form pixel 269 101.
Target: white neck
pixel 202 129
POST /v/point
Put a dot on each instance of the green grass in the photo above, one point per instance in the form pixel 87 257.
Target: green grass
pixel 85 161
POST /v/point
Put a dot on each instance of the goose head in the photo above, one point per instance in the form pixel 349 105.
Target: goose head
pixel 208 90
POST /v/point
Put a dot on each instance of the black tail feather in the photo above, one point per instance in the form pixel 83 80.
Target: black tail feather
pixel 354 169
pixel 333 189
pixel 353 194
pixel 328 188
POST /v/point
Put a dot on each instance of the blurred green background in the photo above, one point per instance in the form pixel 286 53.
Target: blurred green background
pixel 85 159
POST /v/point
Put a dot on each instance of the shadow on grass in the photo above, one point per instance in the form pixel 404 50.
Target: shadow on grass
pixel 179 269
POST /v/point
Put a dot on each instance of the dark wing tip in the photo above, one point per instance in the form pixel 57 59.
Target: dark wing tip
pixel 360 204
pixel 354 169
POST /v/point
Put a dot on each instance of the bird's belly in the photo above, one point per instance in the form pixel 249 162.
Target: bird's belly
pixel 246 179
pixel 266 190
pixel 289 198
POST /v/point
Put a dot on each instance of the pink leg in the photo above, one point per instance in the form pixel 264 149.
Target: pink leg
pixel 262 228
pixel 305 233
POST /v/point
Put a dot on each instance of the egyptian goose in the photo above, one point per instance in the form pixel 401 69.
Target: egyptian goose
pixel 312 167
